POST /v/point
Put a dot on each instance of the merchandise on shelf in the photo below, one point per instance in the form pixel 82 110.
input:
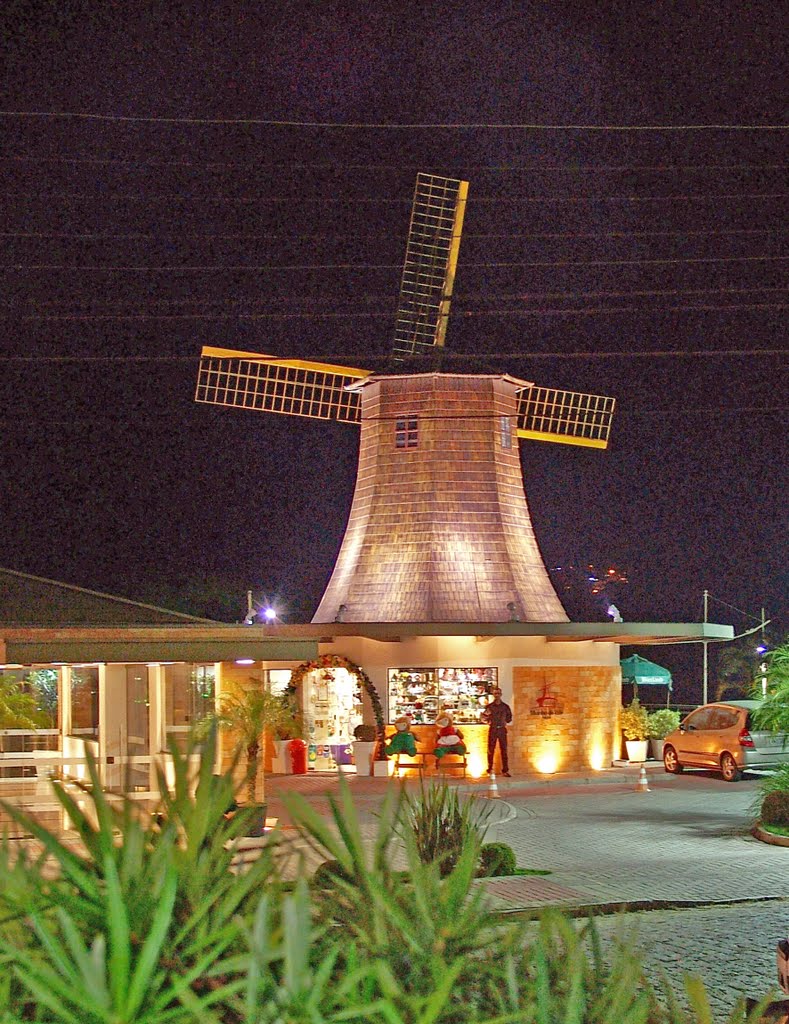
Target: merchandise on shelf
pixel 422 692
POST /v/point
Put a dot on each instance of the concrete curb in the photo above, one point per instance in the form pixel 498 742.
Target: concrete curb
pixel 629 906
pixel 768 837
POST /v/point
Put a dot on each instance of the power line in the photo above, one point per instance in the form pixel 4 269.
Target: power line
pixel 498 168
pixel 382 298
pixel 466 314
pixel 729 353
pixel 287 268
pixel 447 125
pixel 467 235
pixel 640 310
pixel 370 201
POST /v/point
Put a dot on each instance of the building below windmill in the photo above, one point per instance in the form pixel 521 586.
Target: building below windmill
pixel 122 679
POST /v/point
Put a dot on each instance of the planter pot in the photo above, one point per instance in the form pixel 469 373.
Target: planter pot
pixel 362 756
pixel 636 750
pixel 656 749
pixel 256 818
pixel 282 762
pixel 381 769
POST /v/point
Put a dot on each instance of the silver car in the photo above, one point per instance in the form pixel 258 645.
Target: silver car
pixel 721 736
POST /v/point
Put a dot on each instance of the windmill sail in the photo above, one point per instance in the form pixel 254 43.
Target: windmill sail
pixel 567 417
pixel 292 387
pixel 430 261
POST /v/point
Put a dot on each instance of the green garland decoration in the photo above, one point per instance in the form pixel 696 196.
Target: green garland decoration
pixel 329 661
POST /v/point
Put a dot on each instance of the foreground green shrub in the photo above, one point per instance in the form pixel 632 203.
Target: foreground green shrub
pixel 327 873
pixel 776 782
pixel 775 809
pixel 496 859
pixel 148 915
pixel 443 824
pixel 150 926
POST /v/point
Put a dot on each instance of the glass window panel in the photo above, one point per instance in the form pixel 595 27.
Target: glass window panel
pixel 137 705
pixel 31 709
pixel 189 692
pixel 85 702
pixel 279 680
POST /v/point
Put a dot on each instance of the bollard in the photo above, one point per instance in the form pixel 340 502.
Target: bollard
pixel 643 784
pixel 493 789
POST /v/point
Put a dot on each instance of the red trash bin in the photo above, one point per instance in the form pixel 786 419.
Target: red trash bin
pixel 298 756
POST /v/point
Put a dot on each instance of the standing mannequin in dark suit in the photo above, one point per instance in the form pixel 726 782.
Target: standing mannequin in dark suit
pixel 498 715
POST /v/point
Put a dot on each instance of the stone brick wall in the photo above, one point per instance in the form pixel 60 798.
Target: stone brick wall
pixel 565 717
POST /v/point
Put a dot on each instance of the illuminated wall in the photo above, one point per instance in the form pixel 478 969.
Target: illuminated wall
pixel 566 717
pixel 565 697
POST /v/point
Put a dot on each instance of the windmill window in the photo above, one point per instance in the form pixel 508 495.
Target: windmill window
pixel 505 427
pixel 406 433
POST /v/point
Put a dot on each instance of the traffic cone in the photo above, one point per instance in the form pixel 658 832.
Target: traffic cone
pixel 643 784
pixel 493 789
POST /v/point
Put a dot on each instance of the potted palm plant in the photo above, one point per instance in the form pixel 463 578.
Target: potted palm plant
pixel 634 723
pixel 248 715
pixel 660 724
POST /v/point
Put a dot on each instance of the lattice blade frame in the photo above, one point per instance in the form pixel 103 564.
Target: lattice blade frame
pixel 430 262
pixel 566 417
pixel 291 387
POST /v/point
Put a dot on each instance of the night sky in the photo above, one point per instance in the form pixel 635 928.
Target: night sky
pixel 649 265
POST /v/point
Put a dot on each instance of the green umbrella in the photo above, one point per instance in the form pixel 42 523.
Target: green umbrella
pixel 640 672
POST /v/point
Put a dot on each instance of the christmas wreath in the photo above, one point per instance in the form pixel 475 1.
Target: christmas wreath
pixel 325 663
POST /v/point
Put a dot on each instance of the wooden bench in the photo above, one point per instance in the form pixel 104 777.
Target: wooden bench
pixel 417 761
pixel 444 765
pixel 421 763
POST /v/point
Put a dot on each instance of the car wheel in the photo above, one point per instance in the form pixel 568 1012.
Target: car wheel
pixel 671 761
pixel 729 768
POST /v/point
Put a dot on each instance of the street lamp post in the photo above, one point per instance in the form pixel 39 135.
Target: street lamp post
pixel 704 645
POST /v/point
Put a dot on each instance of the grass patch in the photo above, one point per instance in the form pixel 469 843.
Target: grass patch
pixel 531 871
pixel 776 830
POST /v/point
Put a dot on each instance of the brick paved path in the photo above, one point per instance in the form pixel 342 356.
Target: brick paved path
pixel 686 842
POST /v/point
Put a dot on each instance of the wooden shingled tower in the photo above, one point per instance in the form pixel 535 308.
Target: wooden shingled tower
pixel 439 529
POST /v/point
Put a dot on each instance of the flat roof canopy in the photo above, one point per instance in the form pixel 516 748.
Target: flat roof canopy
pixel 134 644
pixel 625 633
pixel 280 642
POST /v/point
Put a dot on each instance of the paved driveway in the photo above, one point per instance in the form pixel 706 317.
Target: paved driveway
pixel 705 896
pixel 686 843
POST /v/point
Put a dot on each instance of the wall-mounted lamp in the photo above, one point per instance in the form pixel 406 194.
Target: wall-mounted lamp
pixel 341 612
pixel 512 609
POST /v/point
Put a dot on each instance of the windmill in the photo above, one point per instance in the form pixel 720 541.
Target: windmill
pixel 439 528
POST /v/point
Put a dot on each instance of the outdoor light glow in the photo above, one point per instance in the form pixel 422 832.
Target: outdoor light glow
pixel 270 614
pixel 548 761
pixel 475 766
pixel 596 757
pixel 245 661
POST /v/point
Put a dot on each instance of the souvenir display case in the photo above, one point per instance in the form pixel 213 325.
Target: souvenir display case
pixel 332 709
pixel 421 692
